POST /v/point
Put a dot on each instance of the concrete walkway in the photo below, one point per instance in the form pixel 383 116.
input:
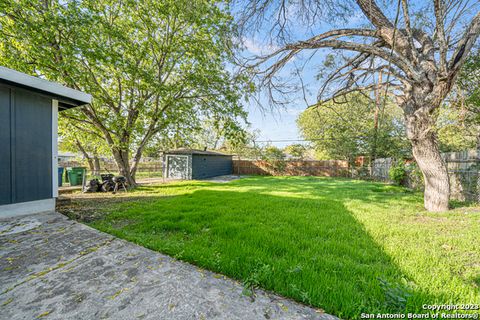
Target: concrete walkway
pixel 55 268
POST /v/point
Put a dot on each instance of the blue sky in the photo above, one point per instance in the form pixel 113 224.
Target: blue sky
pixel 280 124
pixel 275 125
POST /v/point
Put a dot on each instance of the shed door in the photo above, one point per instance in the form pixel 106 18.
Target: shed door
pixel 177 167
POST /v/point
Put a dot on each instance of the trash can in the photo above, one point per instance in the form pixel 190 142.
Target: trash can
pixel 75 175
pixel 60 176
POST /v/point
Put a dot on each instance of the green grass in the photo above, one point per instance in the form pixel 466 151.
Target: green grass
pixel 341 245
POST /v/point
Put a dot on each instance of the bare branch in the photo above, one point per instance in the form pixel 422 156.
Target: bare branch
pixel 439 6
pixel 465 46
pixel 374 14
pixel 408 29
pixel 294 49
pixel 345 91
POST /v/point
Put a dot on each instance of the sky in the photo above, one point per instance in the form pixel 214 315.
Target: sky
pixel 275 125
pixel 280 124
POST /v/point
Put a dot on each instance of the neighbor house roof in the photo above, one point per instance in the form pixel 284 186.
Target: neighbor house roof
pixel 67 97
pixel 195 151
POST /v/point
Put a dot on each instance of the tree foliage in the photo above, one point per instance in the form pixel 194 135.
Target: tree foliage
pixel 458 121
pixel 454 130
pixel 346 131
pixel 296 150
pixel 272 153
pixel 469 87
pixel 150 65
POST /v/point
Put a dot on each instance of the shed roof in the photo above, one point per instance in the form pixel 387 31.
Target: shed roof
pixel 195 151
pixel 67 97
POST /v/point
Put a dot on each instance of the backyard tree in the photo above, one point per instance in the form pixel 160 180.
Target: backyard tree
pixel 148 64
pixel 296 150
pixel 80 137
pixel 272 153
pixel 418 47
pixel 347 130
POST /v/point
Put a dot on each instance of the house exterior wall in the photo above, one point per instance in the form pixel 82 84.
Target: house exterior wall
pixel 207 166
pixel 5 154
pixel 26 147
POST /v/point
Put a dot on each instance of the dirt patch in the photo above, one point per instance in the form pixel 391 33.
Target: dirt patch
pixel 88 207
pixel 84 211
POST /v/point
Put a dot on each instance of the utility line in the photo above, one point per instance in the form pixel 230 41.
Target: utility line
pixel 308 140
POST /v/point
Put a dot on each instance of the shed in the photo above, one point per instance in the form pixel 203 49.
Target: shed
pixel 190 164
pixel 28 140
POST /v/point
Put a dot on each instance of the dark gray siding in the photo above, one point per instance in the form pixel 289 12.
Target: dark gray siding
pixel 28 145
pixel 5 155
pixel 207 166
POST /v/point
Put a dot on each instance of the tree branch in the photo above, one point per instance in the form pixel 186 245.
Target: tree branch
pixel 439 6
pixel 465 46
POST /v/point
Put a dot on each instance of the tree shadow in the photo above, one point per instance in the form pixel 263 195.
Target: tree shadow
pixel 314 250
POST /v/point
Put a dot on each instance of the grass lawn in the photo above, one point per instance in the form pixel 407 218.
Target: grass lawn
pixel 341 245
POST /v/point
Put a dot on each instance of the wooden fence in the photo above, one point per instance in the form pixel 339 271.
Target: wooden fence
pixel 328 168
pixel 463 171
pixel 144 170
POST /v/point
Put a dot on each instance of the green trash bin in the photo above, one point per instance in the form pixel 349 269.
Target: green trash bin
pixel 75 175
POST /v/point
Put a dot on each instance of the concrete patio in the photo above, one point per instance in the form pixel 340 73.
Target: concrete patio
pixel 55 268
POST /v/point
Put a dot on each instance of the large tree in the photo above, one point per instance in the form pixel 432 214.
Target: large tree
pixel 349 130
pixel 418 47
pixel 80 137
pixel 148 64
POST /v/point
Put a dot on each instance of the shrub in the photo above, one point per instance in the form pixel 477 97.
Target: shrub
pixel 398 173
pixel 414 176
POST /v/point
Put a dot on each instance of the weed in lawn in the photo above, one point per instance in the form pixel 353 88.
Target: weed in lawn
pixel 256 278
pixel 396 295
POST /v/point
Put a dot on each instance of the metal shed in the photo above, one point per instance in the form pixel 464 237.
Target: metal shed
pixel 195 164
pixel 28 140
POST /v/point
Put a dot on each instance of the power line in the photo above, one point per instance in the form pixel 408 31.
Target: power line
pixel 308 140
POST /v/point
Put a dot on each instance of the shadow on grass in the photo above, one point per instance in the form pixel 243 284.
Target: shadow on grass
pixel 312 250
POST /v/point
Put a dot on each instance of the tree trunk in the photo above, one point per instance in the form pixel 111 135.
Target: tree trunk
pixel 121 159
pixel 138 154
pixel 96 165
pixel 135 162
pixel 86 156
pixel 425 151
